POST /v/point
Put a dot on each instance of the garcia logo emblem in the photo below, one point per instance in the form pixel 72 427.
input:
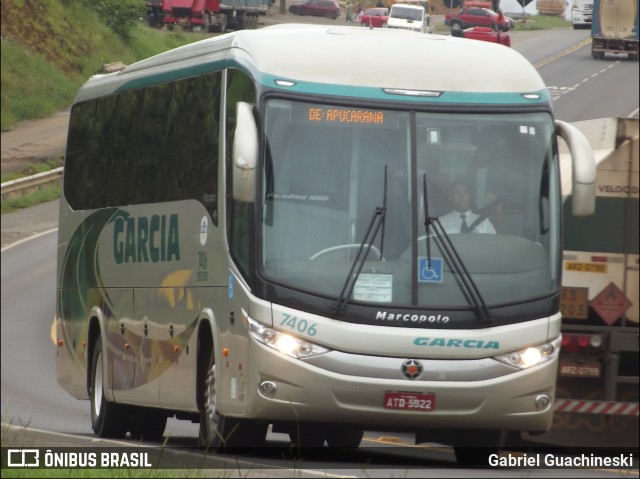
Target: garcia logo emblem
pixel 411 369
pixel 204 226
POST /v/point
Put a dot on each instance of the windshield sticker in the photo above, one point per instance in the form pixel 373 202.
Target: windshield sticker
pixel 374 287
pixel 430 272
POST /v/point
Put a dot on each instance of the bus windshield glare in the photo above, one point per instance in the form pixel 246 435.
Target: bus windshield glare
pixel 328 168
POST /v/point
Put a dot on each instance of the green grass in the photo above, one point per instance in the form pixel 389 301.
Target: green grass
pixel 48 52
pixel 118 473
pixel 30 199
pixel 541 22
pixel 31 87
pixel 47 55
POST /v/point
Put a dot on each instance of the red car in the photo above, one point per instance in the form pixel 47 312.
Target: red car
pixel 375 17
pixel 485 34
pixel 477 17
pixel 317 8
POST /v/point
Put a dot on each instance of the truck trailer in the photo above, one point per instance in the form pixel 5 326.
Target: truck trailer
pixel 213 15
pixel 596 401
pixel 614 28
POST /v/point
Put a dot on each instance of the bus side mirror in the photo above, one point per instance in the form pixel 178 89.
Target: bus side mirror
pixel 583 178
pixel 245 154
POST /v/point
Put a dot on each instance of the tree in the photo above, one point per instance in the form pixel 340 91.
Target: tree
pixel 119 15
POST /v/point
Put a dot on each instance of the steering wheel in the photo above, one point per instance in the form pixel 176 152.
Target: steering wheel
pixel 343 247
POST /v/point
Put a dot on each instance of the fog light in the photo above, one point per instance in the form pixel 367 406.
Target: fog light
pixel 268 388
pixel 542 401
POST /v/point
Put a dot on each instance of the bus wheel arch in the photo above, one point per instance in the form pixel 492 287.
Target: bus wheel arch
pixel 94 334
pixel 217 431
pixel 204 354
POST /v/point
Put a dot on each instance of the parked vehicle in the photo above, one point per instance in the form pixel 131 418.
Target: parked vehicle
pixel 485 34
pixel 213 15
pixel 581 13
pixel 615 28
pixel 317 8
pixel 375 17
pixel 477 17
pixel 408 17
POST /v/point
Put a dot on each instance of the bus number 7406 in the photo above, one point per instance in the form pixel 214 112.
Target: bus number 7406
pixel 296 324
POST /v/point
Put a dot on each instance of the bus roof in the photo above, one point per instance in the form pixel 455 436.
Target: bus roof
pixel 340 56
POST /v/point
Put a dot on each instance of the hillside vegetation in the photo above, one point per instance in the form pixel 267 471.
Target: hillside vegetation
pixel 51 47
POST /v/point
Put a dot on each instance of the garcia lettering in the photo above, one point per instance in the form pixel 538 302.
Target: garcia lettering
pixel 457 343
pixel 142 240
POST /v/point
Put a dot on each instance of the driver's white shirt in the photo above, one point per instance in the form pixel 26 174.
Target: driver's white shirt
pixel 451 222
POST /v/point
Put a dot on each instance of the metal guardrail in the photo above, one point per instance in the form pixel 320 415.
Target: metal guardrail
pixel 22 186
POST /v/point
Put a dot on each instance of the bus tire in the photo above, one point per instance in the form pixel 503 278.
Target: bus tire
pixel 344 437
pixel 108 419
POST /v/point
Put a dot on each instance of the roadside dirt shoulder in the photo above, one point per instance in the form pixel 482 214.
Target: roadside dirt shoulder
pixel 34 141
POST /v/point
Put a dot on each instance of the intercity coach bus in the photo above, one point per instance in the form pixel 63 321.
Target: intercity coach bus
pixel 250 237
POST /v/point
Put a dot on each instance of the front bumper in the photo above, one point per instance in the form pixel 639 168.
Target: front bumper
pixel 482 394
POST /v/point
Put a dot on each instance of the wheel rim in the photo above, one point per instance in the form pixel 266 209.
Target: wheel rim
pixel 97 386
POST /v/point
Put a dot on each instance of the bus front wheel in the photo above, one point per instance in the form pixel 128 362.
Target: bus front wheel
pixel 107 419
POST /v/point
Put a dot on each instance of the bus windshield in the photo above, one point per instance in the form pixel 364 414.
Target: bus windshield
pixel 328 169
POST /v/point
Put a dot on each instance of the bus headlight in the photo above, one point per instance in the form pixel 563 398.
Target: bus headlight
pixel 531 356
pixel 285 343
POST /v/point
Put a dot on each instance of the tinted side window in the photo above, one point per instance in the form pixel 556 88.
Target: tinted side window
pixel 143 146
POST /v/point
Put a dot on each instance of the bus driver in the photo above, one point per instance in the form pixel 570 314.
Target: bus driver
pixel 462 219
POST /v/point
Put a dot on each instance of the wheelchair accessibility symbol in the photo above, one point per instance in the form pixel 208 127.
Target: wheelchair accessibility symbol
pixel 429 273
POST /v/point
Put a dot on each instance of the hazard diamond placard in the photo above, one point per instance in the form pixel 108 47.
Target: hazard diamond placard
pixel 610 304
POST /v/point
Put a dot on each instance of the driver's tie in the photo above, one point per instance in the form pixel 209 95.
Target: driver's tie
pixel 464 227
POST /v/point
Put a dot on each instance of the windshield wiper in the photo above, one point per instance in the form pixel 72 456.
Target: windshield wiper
pixel 377 221
pixel 452 257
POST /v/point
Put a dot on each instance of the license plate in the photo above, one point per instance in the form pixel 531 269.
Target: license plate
pixel 588 370
pixel 409 401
